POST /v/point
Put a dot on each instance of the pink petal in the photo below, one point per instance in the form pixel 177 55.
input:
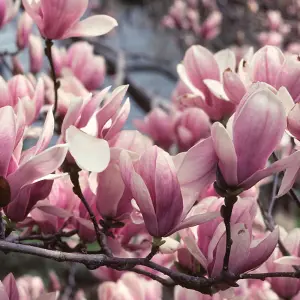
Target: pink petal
pixel 92 26
pixel 11 288
pixel 51 296
pixel 191 243
pixel 288 260
pixel 280 165
pixel 197 166
pixel 5 98
pixel 226 59
pixel 200 64
pixel 233 86
pixel 196 220
pixel 261 122
pixel 225 151
pixel 216 88
pixel 37 167
pixel 7 137
pixel 90 153
pixel 3 294
pixel 266 63
pixel 119 121
pixel 139 191
pixel 261 252
pixel 73 114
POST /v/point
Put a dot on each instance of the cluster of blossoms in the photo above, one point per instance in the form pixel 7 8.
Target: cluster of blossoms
pixel 185 16
pixel 181 201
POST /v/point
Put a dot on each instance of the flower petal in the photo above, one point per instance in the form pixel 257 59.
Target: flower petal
pixel 90 153
pixel 92 26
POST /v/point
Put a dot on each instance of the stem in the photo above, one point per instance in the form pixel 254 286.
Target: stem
pixel 101 238
pixel 2 227
pixel 226 211
pixel 56 83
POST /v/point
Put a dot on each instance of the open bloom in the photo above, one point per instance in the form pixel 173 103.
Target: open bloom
pixel 155 187
pixel 247 251
pixel 200 72
pixel 27 178
pixel 60 19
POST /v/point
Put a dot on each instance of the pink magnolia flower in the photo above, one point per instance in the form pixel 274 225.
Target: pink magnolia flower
pixel 271 66
pixel 103 124
pixel 191 125
pixel 130 287
pixel 247 252
pixel 54 212
pixel 155 187
pixel 20 89
pixel 25 288
pixel 286 287
pixel 201 72
pixel 90 69
pixel 26 178
pixel 8 10
pixel 259 120
pixel 25 25
pixel 159 126
pixel 210 28
pixel 67 14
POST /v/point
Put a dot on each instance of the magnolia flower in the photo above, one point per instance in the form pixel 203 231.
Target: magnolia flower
pixel 60 19
pixel 200 72
pixel 90 69
pixel 26 178
pixel 155 187
pixel 247 252
pixel 25 288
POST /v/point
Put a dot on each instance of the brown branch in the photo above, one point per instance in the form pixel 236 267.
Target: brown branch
pixel 56 83
pixel 200 284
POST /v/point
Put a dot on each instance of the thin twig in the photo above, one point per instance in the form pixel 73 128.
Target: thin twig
pixel 71 284
pixel 56 83
pixel 101 238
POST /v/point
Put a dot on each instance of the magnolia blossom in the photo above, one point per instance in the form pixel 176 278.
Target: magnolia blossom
pixel 200 71
pixel 67 14
pixel 90 69
pixel 155 187
pixel 19 90
pixel 25 288
pixel 26 178
pixel 247 252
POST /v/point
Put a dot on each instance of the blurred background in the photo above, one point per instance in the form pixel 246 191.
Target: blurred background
pixel 144 51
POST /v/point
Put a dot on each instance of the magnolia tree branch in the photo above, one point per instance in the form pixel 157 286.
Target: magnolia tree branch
pixel 200 284
pixel 56 83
